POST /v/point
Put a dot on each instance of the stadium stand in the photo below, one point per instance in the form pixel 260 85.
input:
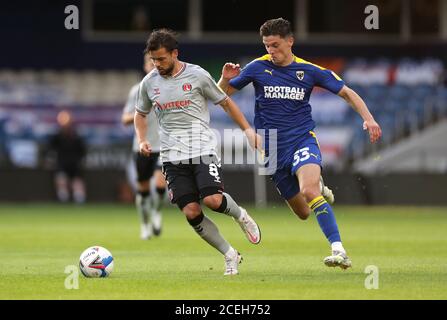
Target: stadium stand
pixel 405 96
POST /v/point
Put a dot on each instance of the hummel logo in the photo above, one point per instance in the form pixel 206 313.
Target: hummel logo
pixel 269 71
pixel 317 213
pixel 198 229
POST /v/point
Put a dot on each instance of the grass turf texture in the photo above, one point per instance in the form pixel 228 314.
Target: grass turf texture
pixel 408 245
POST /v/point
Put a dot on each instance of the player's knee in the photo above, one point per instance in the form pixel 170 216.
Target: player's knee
pixel 160 184
pixel 213 201
pixel 310 192
pixel 192 210
pixel 189 204
pixel 161 191
pixel 143 186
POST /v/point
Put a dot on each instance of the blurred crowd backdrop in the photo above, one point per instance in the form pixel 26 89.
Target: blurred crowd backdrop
pixel 398 69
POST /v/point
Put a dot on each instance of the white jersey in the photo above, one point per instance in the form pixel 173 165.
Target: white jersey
pixel 152 133
pixel 181 105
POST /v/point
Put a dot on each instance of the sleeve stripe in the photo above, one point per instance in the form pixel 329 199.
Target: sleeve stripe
pixel 141 111
pixel 220 101
pixel 336 76
pixel 299 60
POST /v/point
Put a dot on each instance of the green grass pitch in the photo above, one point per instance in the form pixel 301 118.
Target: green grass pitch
pixel 407 245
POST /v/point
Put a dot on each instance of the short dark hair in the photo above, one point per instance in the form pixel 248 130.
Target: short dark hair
pixel 161 38
pixel 276 27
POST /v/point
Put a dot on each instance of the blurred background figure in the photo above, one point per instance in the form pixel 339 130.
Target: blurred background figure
pixel 69 151
pixel 140 20
pixel 149 196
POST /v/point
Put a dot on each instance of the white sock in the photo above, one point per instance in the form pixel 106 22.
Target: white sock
pixel 209 232
pixel 232 208
pixel 231 251
pixel 143 207
pixel 337 246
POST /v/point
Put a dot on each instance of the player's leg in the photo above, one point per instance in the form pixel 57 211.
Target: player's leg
pixel 326 192
pixel 209 232
pixel 142 198
pixel 297 203
pixel 77 183
pixel 184 193
pixel 160 189
pixel 224 203
pixel 61 184
pixel 143 205
pixel 309 181
pixel 78 187
pixel 210 182
pixel 307 168
pixel 157 195
pixel 288 188
pixel 299 206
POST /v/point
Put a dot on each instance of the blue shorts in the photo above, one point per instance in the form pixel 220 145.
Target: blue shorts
pixel 308 151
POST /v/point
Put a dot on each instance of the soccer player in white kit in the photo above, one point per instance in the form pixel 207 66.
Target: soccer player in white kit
pixel 147 201
pixel 178 93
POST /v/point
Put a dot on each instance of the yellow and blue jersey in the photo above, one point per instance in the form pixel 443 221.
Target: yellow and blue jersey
pixel 282 99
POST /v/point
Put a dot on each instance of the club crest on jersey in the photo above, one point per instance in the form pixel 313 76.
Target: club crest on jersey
pixel 156 90
pixel 187 87
pixel 300 75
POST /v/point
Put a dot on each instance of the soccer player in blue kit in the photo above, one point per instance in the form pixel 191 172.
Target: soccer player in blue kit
pixel 283 84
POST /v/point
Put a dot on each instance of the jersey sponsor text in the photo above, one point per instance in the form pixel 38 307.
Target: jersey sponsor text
pixel 284 92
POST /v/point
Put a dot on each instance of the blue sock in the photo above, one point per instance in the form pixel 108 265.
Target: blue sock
pixel 326 218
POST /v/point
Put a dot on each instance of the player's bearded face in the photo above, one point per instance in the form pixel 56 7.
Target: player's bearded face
pixel 164 60
pixel 280 49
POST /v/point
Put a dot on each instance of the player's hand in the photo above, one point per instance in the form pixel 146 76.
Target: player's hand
pixel 145 148
pixel 373 129
pixel 254 139
pixel 230 70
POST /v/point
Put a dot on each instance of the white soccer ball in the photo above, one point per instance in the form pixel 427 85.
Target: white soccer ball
pixel 96 262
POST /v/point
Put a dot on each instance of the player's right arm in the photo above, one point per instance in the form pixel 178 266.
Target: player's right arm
pixel 127 118
pixel 229 71
pixel 142 109
pixel 234 78
pixel 140 130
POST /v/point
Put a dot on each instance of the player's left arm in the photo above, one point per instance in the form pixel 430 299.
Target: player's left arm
pixel 232 109
pixel 214 93
pixel 329 80
pixel 357 103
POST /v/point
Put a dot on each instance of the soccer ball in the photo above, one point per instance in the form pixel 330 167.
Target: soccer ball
pixel 96 262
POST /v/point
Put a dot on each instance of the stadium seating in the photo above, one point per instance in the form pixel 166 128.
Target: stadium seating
pixel 404 96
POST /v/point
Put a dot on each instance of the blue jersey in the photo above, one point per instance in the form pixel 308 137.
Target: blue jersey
pixel 282 99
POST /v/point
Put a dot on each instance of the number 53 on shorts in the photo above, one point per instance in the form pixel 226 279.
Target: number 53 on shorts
pixel 309 154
